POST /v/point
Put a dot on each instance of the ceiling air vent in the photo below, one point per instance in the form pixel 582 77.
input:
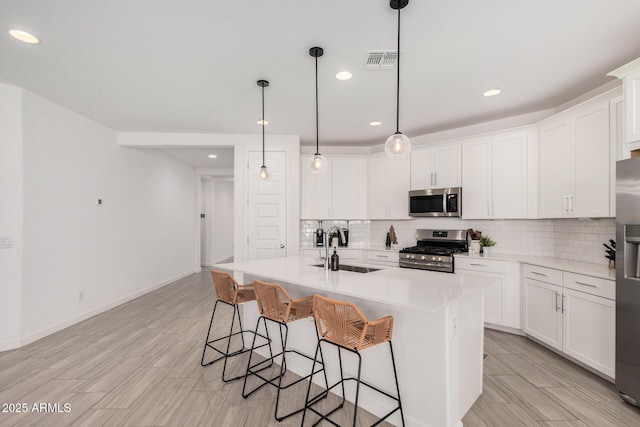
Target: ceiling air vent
pixel 380 59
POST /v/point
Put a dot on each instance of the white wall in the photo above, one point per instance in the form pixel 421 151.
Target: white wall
pixel 243 145
pixel 223 221
pixel 140 238
pixel 10 214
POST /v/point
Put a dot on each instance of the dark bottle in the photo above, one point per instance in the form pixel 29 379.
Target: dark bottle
pixel 388 242
pixel 335 261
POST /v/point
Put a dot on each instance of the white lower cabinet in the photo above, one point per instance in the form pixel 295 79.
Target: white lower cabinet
pixel 572 313
pixel 542 316
pixel 589 330
pixel 502 297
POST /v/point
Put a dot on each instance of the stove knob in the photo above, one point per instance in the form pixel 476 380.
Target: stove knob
pixel 413 256
pixel 423 257
pixel 433 258
pixel 439 259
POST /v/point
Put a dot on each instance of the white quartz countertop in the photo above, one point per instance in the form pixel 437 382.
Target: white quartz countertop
pixel 416 289
pixel 595 270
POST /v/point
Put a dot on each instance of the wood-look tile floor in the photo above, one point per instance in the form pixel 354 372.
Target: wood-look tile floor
pixel 139 365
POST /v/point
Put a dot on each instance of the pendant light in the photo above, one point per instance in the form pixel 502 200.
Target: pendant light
pixel 398 145
pixel 263 174
pixel 318 163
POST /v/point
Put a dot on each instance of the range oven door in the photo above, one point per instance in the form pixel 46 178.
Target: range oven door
pixel 435 202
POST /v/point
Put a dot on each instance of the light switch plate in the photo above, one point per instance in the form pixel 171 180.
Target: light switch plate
pixel 6 242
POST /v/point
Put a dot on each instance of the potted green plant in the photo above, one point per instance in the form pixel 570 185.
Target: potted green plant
pixel 486 243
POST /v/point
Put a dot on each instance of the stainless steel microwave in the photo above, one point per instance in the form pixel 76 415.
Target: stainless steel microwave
pixel 436 202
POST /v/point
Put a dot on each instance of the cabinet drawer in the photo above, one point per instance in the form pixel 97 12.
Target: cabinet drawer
pixel 590 285
pixel 475 264
pixel 383 257
pixel 542 274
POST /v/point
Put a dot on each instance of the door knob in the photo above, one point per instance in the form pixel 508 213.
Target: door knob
pixel 281 246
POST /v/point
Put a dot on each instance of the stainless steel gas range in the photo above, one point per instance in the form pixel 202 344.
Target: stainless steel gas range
pixel 434 250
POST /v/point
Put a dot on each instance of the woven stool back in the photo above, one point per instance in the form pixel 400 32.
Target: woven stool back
pixel 225 286
pixel 344 324
pixel 273 300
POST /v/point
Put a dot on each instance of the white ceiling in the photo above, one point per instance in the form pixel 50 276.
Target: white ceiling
pixel 192 65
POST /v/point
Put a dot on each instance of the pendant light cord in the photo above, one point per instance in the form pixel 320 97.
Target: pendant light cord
pixel 317 125
pixel 398 80
pixel 263 125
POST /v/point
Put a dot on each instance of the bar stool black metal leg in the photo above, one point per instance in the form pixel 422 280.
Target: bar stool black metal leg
pixel 355 409
pixel 395 375
pixel 224 368
pixel 206 342
pixel 283 367
pixel 307 402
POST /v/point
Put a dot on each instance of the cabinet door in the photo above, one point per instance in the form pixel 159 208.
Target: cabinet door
pixel 494 296
pixel 509 181
pixel 632 107
pixel 476 167
pixel 422 169
pixel 590 149
pixel 448 161
pixel 348 188
pixel 554 164
pixel 399 175
pixel 378 187
pixel 315 192
pixel 543 312
pixel 590 330
pixel 389 187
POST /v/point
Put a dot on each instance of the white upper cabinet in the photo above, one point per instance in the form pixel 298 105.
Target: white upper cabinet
pixel 630 75
pixel 388 190
pixel 476 179
pixel 495 175
pixel 435 166
pixel 574 162
pixel 348 188
pixel 338 193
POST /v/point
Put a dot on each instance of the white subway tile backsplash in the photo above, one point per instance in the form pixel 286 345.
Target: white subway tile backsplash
pixel 561 238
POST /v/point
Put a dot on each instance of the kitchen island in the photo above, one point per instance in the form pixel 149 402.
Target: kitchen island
pixel 437 335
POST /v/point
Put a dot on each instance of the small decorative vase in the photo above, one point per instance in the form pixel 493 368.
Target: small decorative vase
pixel 474 247
pixel 486 250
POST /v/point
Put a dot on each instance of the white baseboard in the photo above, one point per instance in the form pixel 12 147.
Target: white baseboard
pixel 28 339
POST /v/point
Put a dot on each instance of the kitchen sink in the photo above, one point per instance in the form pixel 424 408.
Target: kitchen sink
pixel 354 268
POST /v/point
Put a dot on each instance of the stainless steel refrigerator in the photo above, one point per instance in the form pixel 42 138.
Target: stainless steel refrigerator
pixel 628 280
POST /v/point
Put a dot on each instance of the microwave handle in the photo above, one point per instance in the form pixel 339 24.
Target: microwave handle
pixel 444 202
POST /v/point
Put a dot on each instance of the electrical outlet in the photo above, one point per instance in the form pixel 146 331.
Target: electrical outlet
pixel 80 296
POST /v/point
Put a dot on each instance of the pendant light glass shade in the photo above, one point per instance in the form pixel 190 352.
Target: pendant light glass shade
pixel 398 145
pixel 263 174
pixel 317 163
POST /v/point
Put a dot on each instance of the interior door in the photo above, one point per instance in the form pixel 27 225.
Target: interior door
pixel 267 206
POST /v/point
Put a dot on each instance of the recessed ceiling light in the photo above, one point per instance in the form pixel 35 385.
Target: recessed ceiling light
pixel 492 92
pixel 213 156
pixel 344 75
pixel 263 122
pixel 23 36
pixel 375 123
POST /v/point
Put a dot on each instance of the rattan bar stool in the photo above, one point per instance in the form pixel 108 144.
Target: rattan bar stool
pixel 343 325
pixel 231 293
pixel 277 307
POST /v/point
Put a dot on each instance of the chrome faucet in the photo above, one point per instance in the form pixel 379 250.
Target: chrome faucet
pixel 326 242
